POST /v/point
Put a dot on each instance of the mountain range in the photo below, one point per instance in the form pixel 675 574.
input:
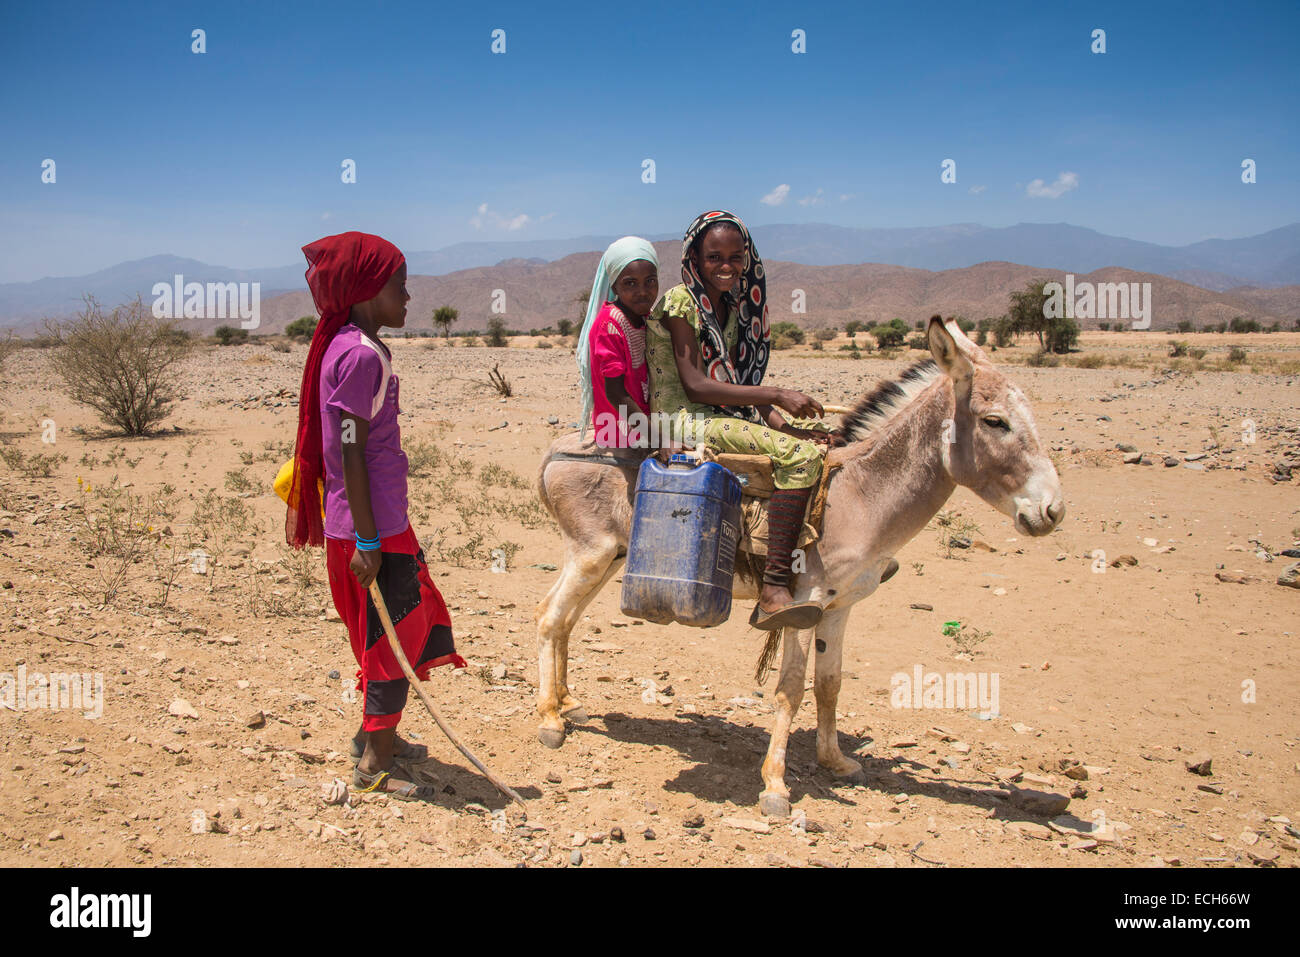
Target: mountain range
pixel 1268 261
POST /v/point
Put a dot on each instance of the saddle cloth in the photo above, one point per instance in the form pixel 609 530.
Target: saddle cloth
pixel 755 475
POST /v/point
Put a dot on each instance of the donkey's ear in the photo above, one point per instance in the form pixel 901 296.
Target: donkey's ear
pixel 946 353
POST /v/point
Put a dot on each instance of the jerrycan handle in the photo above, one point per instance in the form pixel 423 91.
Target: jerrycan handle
pixel 681 460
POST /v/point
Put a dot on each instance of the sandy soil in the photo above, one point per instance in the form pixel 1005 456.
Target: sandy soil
pixel 1121 676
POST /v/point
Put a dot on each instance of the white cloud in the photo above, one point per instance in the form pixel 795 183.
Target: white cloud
pixel 777 196
pixel 845 197
pixel 1064 183
pixel 485 218
pixel 816 199
pixel 978 189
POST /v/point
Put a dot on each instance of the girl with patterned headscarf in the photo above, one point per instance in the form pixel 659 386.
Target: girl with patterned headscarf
pixel 709 346
pixel 611 345
pixel 348 436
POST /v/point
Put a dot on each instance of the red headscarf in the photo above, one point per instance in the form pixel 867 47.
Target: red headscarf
pixel 342 271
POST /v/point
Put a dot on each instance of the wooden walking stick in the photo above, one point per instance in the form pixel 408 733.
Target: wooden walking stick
pixel 407 670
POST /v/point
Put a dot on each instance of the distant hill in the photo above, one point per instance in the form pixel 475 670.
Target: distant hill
pixel 536 295
pixel 1270 260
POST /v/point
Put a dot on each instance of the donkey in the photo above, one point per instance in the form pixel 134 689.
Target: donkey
pixel 949 420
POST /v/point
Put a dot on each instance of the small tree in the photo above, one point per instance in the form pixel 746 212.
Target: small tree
pixel 891 334
pixel 852 328
pixel 565 326
pixel 496 331
pixel 443 317
pixel 123 365
pixel 582 299
pixel 301 328
pixel 229 335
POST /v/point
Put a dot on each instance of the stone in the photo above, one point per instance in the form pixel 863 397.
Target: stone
pixel 1132 458
pixel 1125 447
pixel 552 420
pixel 648 834
pixel 575 858
pixel 1008 774
pixel 921 606
pixel 1078 772
pixel 745 824
pixel 1019 728
pixel 334 792
pixel 616 835
pixel 961 747
pixel 1124 560
pixel 1030 829
pixel 1170 461
pixel 1045 803
pixel 1230 578
pixel 1264 855
pixel 182 709
pixel 1290 576
pixel 1199 763
pixel 695 821
pixel 255 720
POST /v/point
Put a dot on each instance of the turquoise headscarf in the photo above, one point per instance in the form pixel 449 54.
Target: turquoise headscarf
pixel 621 253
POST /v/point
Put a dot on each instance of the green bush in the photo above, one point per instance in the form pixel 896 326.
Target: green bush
pixel 230 335
pixel 1242 324
pixel 1236 354
pixel 301 328
pixel 782 341
pixel 918 342
pixel 496 332
pixel 1177 349
pixel 789 330
pixel 1185 326
pixel 891 335
pixel 824 335
pixel 853 327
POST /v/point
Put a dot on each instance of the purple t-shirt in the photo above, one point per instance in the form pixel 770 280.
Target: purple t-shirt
pixel 349 379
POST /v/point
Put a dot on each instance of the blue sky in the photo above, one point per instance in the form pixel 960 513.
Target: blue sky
pixel 234 156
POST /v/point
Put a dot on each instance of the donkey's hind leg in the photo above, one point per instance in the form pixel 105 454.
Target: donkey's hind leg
pixel 579 582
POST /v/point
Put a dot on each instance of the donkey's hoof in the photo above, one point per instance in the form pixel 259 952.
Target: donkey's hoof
pixel 773 804
pixel 576 715
pixel 550 737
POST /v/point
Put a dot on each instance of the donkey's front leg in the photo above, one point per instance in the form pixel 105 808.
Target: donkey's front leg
pixel 826 689
pixel 579 582
pixel 775 799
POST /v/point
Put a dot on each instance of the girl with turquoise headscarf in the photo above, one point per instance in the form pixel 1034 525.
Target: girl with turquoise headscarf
pixel 611 346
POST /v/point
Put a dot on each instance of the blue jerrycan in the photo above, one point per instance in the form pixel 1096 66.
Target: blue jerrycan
pixel 681 556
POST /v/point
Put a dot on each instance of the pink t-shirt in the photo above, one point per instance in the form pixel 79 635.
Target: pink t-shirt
pixel 617 350
pixel 349 379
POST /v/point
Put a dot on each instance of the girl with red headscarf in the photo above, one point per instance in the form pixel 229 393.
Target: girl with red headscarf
pixel 348 437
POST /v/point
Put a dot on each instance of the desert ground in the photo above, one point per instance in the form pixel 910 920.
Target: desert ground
pixel 226 695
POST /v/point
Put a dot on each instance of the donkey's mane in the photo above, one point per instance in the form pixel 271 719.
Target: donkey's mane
pixel 886 400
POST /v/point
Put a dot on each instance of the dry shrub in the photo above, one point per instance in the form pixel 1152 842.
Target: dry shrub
pixel 124 365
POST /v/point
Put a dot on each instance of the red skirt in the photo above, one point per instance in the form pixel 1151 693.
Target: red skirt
pixel 419 617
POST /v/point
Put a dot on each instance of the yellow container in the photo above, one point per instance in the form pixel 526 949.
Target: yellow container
pixel 284 483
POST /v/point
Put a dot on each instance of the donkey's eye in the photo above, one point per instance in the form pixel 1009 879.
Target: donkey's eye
pixel 997 422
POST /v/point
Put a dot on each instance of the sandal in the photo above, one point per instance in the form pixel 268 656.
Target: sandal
pixel 403 750
pixel 376 784
pixel 797 614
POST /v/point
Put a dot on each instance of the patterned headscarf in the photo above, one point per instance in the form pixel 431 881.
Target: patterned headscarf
pixel 752 347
